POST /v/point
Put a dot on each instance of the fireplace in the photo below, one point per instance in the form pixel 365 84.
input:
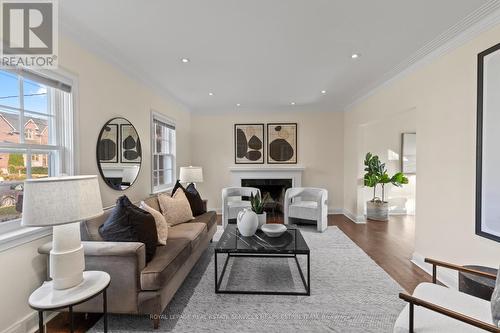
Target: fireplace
pixel 275 189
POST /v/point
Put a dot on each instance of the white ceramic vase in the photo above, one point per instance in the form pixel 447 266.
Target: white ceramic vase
pixel 262 218
pixel 247 222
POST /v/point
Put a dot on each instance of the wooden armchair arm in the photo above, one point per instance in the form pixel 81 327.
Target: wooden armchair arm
pixel 444 311
pixel 436 263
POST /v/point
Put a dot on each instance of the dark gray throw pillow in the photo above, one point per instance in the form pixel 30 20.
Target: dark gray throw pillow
pixel 495 302
pixel 129 223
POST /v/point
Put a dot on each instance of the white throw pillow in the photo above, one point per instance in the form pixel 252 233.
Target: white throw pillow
pixel 176 208
pixel 161 224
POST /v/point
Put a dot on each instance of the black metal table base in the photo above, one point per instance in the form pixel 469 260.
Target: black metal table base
pixel 41 328
pixel 307 284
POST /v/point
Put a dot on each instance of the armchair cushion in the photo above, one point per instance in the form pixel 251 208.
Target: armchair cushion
pixel 429 321
pixel 304 209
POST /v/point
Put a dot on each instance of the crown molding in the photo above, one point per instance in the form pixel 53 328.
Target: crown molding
pixel 100 48
pixel 482 19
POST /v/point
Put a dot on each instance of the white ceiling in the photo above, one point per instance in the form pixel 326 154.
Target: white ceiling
pixel 263 54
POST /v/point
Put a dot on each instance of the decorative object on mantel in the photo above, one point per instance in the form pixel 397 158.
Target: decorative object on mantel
pixel 249 143
pixel 247 222
pixel 376 173
pixel 282 143
pixel 488 136
pixel 258 204
pixel 191 174
pixel 62 202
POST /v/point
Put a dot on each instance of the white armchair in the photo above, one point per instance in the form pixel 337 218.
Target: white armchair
pixel 434 308
pixel 307 203
pixel 233 203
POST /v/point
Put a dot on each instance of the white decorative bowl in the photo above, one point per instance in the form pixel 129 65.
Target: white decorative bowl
pixel 273 230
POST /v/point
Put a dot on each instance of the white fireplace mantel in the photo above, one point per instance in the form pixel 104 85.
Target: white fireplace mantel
pixel 267 172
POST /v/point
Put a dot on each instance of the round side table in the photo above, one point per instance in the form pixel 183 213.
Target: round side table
pixel 46 298
pixel 476 285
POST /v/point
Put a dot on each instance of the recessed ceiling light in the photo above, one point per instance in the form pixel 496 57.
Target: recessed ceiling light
pixel 355 56
pixel 323 92
pixel 293 103
pixel 238 104
pixel 185 60
pixel 210 94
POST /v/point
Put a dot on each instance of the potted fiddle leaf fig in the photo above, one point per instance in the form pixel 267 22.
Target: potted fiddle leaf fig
pixel 376 174
pixel 258 207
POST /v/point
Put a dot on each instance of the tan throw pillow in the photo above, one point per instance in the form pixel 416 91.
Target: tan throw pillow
pixel 161 224
pixel 176 208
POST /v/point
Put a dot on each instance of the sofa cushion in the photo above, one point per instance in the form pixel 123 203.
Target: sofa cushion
pixel 209 218
pixel 193 196
pixel 161 224
pixel 153 202
pixel 165 264
pixel 192 231
pixel 431 321
pixel 129 223
pixel 176 208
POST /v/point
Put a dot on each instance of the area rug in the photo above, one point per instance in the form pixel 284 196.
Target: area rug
pixel 349 293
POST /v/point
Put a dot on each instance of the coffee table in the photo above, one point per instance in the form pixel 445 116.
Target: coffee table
pixel 289 245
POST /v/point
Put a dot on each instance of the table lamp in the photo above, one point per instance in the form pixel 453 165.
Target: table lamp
pixel 62 202
pixel 191 174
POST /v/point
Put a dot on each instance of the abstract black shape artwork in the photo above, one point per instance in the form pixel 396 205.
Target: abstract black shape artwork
pixel 107 146
pixel 249 143
pixel 131 145
pixel 282 143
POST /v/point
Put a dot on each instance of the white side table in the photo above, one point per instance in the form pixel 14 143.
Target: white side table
pixel 46 298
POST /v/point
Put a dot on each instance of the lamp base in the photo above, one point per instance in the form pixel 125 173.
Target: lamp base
pixel 67 260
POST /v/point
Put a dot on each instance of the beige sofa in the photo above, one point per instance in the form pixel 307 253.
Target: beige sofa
pixel 137 287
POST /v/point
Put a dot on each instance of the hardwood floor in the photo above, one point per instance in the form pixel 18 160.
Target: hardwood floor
pixel 389 244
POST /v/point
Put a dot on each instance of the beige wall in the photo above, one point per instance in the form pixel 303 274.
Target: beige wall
pixel 320 149
pixel 104 92
pixel 443 93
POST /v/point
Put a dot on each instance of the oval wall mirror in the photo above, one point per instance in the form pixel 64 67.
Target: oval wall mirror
pixel 119 153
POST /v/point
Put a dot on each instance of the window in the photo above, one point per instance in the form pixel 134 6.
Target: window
pixel 163 143
pixel 36 128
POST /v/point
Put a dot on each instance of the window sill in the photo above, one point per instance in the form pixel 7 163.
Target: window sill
pixel 22 236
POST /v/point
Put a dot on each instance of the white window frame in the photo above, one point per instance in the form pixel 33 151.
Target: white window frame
pixel 169 121
pixel 11 232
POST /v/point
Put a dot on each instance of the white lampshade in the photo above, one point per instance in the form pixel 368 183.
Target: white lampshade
pixel 60 200
pixel 191 174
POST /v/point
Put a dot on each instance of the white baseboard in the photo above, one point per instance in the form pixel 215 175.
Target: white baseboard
pixel 446 276
pixel 361 219
pixel 29 323
pixel 401 211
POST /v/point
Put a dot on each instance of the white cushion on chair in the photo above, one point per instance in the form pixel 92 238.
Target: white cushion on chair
pixel 234 207
pixel 427 321
pixel 303 209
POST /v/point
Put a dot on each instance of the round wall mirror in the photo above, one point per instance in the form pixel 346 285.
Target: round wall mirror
pixel 119 153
